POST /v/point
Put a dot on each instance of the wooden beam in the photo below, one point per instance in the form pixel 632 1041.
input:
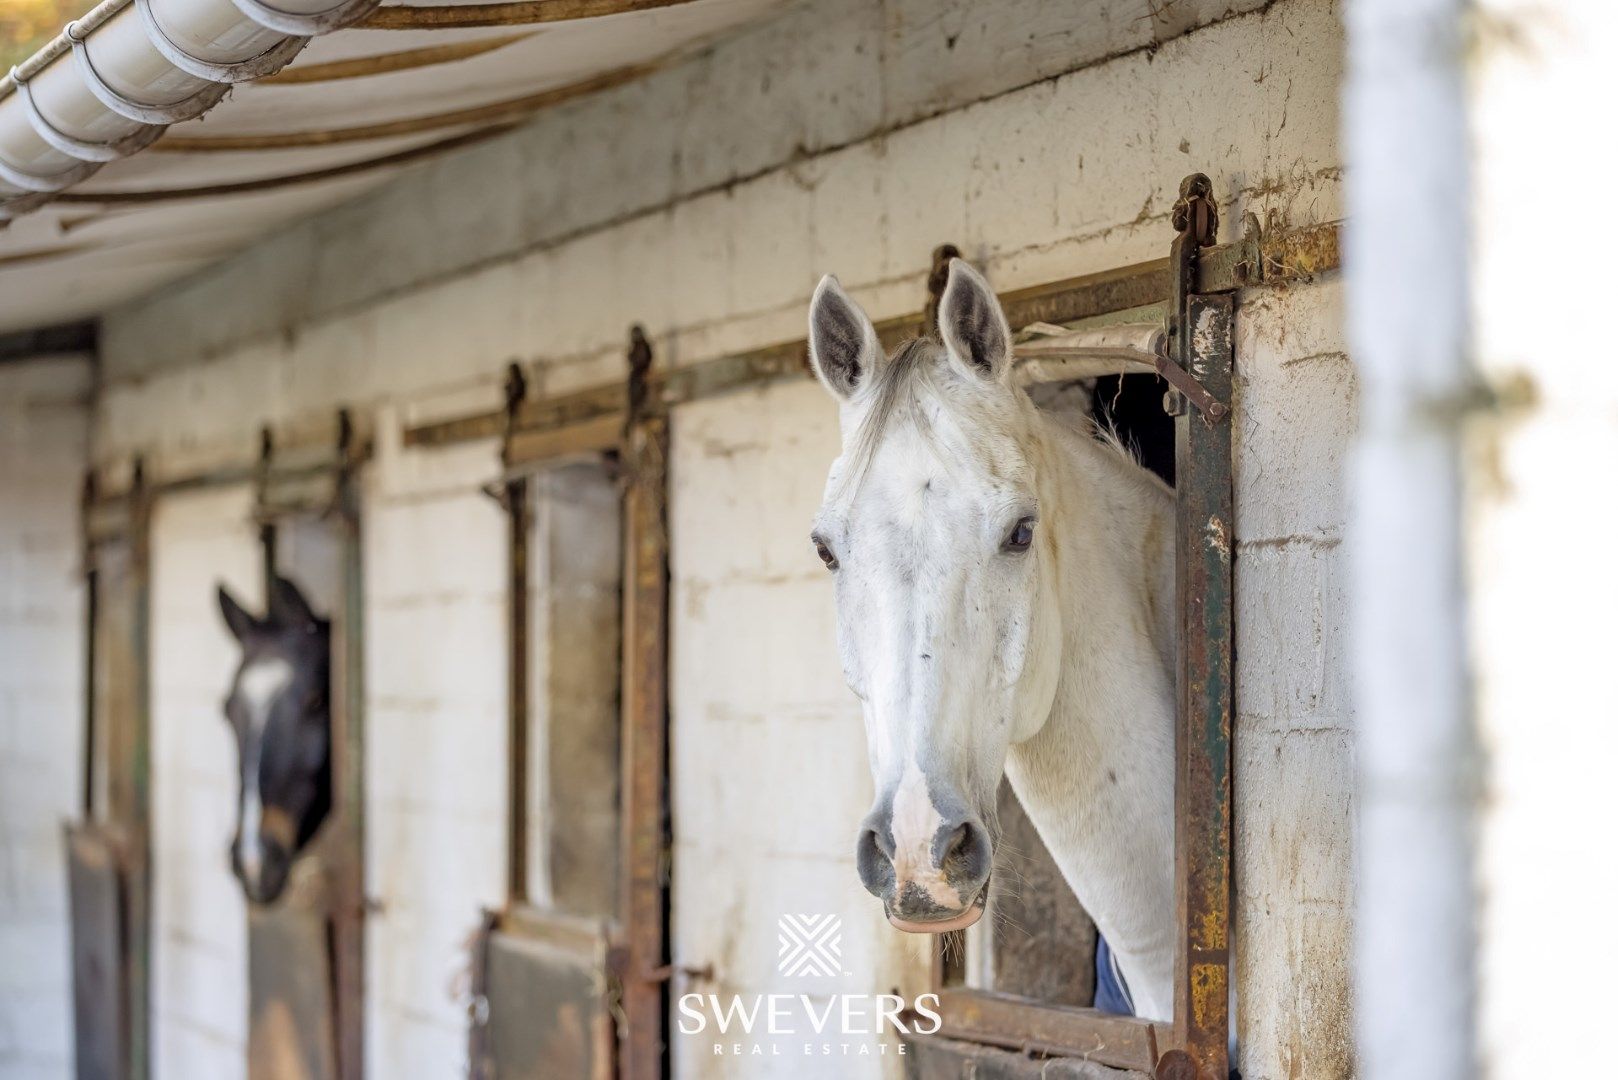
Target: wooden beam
pixel 517 13
pixel 1016 1023
pixel 498 112
pixel 360 67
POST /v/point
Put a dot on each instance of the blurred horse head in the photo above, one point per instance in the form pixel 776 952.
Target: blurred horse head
pixel 279 709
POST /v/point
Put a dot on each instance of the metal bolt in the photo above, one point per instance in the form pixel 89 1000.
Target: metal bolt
pixel 1176 1065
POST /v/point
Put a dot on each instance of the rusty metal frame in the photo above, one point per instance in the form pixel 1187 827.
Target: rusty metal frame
pixel 521 456
pixel 335 496
pixel 121 825
pixel 1195 279
pixel 1262 256
pixel 120 513
pixel 1196 285
pixel 642 966
pixel 519 527
pixel 635 959
pixel 1200 322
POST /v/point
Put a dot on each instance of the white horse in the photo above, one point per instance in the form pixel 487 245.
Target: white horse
pixel 1005 604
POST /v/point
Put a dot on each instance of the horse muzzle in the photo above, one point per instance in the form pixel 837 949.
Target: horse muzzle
pixel 940 921
pixel 928 883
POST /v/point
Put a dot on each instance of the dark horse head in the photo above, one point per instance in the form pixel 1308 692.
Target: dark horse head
pixel 279 709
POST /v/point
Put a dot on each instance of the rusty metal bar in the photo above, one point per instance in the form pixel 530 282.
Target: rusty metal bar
pixel 644 901
pixel 280 477
pixel 519 528
pixel 1256 259
pixel 1122 1042
pixel 348 763
pixel 112 899
pixel 112 503
pixel 87 499
pixel 1188 385
pixel 1202 338
pixel 137 813
pixel 266 526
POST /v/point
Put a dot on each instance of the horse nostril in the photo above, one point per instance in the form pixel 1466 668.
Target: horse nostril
pixel 874 860
pixel 966 854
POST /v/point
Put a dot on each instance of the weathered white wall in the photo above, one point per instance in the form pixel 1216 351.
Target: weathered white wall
pixel 44 446
pixel 704 203
pixel 199 959
pixel 435 657
pixel 768 774
pixel 1296 402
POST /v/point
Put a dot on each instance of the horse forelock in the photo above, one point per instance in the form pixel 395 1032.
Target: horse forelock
pixel 917 385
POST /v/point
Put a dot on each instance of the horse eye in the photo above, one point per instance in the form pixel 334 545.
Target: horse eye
pixel 1022 536
pixel 825 553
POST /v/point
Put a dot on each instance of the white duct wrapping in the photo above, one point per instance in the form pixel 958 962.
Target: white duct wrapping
pixel 110 83
pixel 1052 354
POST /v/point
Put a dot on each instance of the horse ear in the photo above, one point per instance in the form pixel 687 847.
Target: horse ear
pixel 288 608
pixel 972 323
pixel 843 346
pixel 242 625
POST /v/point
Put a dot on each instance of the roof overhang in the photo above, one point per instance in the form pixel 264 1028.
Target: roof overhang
pixel 152 137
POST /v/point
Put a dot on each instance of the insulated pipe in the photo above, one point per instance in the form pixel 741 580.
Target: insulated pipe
pixel 1052 354
pixel 110 83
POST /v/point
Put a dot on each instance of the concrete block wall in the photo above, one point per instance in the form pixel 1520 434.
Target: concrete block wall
pixel 769 774
pixel 44 446
pixel 435 656
pixel 1295 407
pixel 704 203
pixel 199 962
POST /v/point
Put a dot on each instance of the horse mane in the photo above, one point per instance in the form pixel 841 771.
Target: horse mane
pixel 898 384
pixel 903 371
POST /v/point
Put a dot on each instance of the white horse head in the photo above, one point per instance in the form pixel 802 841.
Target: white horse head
pixel 1005 590
pixel 948 621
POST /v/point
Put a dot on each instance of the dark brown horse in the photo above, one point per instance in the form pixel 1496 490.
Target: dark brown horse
pixel 279 708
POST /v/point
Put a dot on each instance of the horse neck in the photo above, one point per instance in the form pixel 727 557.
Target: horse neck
pixel 1097 779
pixel 1115 548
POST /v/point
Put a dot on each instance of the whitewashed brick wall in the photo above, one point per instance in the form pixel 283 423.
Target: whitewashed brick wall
pixel 44 445
pixel 769 771
pixel 435 656
pixel 847 137
pixel 1294 768
pixel 199 958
